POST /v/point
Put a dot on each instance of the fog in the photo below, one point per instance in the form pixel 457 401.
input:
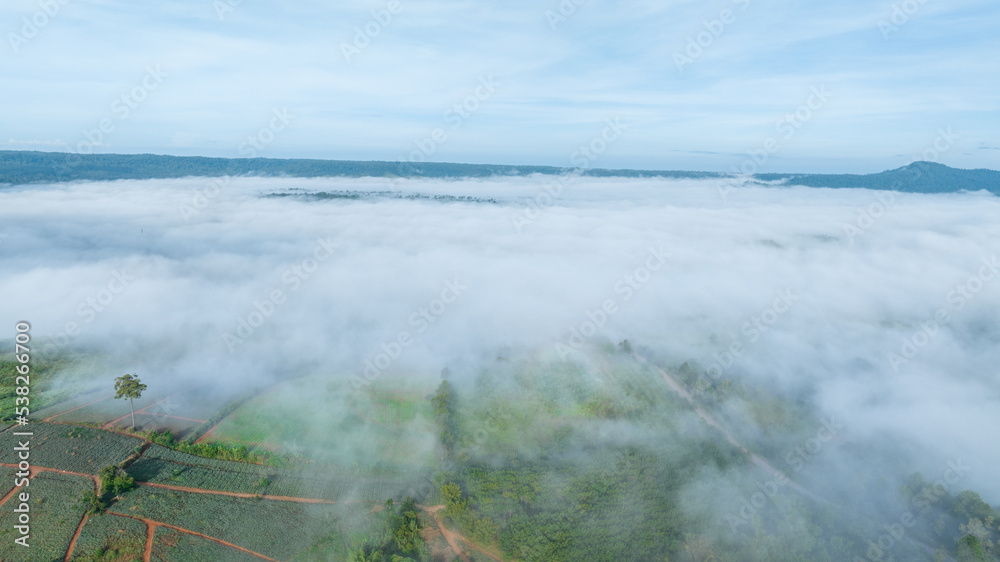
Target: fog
pixel 832 297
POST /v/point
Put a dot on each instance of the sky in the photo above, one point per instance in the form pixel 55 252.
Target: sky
pixel 844 86
pixel 824 306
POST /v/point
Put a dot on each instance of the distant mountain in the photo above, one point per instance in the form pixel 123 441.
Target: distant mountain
pixel 26 167
pixel 22 167
pixel 918 177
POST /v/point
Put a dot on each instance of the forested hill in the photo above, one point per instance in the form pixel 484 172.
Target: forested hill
pixel 21 167
pixel 25 167
pixel 918 177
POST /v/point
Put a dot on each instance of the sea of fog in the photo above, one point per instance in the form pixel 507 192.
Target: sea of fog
pixel 879 308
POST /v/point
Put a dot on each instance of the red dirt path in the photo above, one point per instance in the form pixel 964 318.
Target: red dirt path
pixel 76 535
pixel 236 494
pixel 151 530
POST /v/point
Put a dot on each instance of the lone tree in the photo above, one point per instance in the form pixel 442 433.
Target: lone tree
pixel 129 386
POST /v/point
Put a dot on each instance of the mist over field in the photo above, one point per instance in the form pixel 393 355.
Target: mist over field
pixel 847 338
pixel 822 301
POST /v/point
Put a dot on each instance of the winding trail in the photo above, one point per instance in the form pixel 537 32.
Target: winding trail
pixel 76 535
pixel 763 464
pixel 448 535
pixel 711 421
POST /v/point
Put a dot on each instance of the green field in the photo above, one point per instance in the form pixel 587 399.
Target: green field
pixel 109 537
pixel 76 449
pixel 277 529
pixel 166 466
pixel 170 545
pixel 55 515
pixel 382 427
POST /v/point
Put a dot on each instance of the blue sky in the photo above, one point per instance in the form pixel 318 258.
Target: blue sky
pixel 695 85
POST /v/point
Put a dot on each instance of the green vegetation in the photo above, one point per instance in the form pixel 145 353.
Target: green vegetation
pixel 129 386
pixel 214 450
pixel 73 448
pixel 536 461
pixel 398 540
pixel 218 416
pixel 107 538
pixel 55 515
pixel 278 529
pixel 443 403
pixel 42 373
pixel 92 502
pixel 115 481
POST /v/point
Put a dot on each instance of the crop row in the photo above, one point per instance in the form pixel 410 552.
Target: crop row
pixel 277 529
pixel 109 537
pixel 55 514
pixel 245 478
pixel 76 449
pixel 101 412
pixel 54 407
pixel 170 545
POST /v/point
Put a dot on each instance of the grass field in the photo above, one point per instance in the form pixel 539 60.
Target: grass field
pixel 76 449
pixel 109 537
pixel 383 428
pixel 55 514
pixel 170 545
pixel 275 528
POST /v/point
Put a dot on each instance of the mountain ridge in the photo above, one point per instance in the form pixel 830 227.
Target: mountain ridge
pixel 31 167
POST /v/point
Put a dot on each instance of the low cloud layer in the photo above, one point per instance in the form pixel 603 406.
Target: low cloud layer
pixel 878 308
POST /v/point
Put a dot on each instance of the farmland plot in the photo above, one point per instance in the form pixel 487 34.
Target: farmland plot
pixel 170 546
pixel 161 465
pixel 101 412
pixel 278 529
pixel 55 515
pixel 57 407
pixel 179 428
pixel 6 480
pixel 76 449
pixel 109 537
